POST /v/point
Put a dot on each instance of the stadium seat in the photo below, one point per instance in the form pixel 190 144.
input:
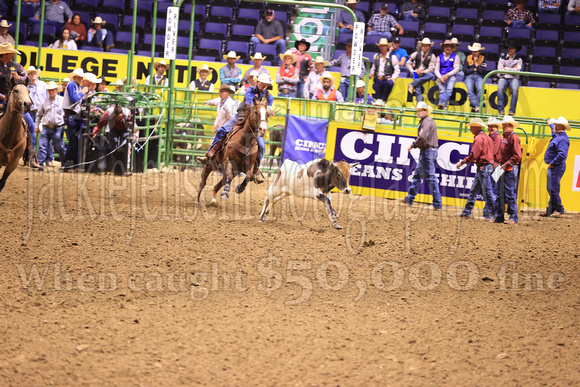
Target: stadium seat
pixel 200 12
pixel 547 21
pixel 570 57
pixel 467 16
pixel 91 48
pixel 566 70
pixel 436 31
pixel 443 3
pixel 572 40
pixel 279 7
pixel 411 28
pixel 543 84
pixel 248 16
pixel 48 33
pixel 470 4
pixel 241 48
pixel 251 5
pixel 335 69
pixel 520 35
pixel 148 41
pixel 523 52
pixel 490 34
pixel 342 39
pixel 438 15
pixel 282 17
pixel 364 7
pixel 572 23
pixel 34 43
pixel 371 43
pixel 183 45
pixel 207 47
pixel 546 38
pixel 221 14
pixel 112 6
pixel 202 58
pixel 409 44
pixel 242 32
pixel 493 18
pixel 85 5
pixel 162 9
pixel 269 50
pixel 436 48
pixel 112 22
pixel 542 68
pixel 143 8
pixel 123 40
pixel 463 32
pixel 26 11
pixel 544 55
pixel 23 30
pixel 491 51
pixel 463 46
pixel 128 23
pixel 573 86
pixel 370 56
pixel 497 5
pixel 215 31
pixel 118 51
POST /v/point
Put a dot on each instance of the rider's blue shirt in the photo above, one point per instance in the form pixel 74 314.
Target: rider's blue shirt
pixel 253 91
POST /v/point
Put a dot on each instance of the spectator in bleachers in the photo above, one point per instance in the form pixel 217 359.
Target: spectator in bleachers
pixel 328 92
pixel 287 75
pixel 36 89
pixel 63 84
pixel 399 52
pixel 118 85
pixel 549 6
pixel 510 62
pixel 99 36
pixel 381 23
pixel 56 12
pixel 474 67
pixel 573 9
pixel 384 71
pixel 344 62
pixel 313 81
pixel 257 59
pixel 446 67
pixel 202 83
pixel 519 17
pixel 421 64
pixel 226 106
pixel 231 74
pixel 359 98
pixel 413 10
pixel 65 42
pixel 159 78
pixel 77 29
pixel 345 22
pixel 51 116
pixel 252 81
pixel 4 35
pixel 303 64
pixel 269 31
pixel 460 54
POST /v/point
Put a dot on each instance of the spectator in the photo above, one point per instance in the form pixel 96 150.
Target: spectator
pixel 510 155
pixel 227 106
pixel 555 157
pixel 345 22
pixel 56 12
pixel 359 98
pixel 328 92
pixel 475 67
pixel 413 10
pixel 252 81
pixel 510 62
pixel 428 142
pixel 63 85
pixel 269 31
pixel 519 17
pixel 4 35
pixel 482 156
pixel 460 54
pixel 71 104
pixel 573 9
pixel 36 89
pixel 202 83
pixel 399 52
pixel 287 76
pixel 65 42
pixel 549 6
pixel 118 85
pixel 382 23
pixel 77 29
pixel 159 78
pixel 493 125
pixel 231 74
pixel 384 71
pixel 303 64
pixel 446 66
pixel 313 80
pixel 421 64
pixel 344 62
pixel 257 59
pixel 51 116
pixel 99 36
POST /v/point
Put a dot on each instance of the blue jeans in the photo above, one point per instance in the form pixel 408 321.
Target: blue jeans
pixel 481 184
pixel 280 47
pixel 446 90
pixel 299 89
pixel 473 81
pixel 518 24
pixel 418 84
pixel 345 31
pixel 383 88
pixel 386 34
pixel 73 132
pixel 554 176
pixel 425 170
pixel 410 17
pixel 514 85
pixel 343 87
pixel 508 191
pixel 489 209
pixel 47 136
pixel 228 126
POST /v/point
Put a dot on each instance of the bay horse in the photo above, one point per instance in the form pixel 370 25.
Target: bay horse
pixel 239 150
pixel 13 130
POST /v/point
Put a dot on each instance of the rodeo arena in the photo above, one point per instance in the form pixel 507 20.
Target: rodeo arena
pixel 304 193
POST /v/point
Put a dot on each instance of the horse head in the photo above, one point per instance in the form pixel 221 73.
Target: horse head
pixel 259 116
pixel 19 97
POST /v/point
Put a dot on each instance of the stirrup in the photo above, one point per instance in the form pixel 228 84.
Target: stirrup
pixel 259 176
pixel 202 160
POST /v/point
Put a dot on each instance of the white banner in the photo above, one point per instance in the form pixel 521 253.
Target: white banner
pixel 171 33
pixel 358 41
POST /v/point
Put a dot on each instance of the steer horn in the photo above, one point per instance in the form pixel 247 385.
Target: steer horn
pixel 353 164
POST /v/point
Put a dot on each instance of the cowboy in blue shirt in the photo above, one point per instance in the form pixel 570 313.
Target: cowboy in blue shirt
pixel 555 157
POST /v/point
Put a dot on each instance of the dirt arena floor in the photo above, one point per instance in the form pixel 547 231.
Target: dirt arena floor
pixel 125 281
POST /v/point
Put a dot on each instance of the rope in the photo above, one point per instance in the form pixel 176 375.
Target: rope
pixel 100 158
pixel 138 147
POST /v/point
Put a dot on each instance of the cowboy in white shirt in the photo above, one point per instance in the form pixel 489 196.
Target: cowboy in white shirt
pixel 313 81
pixel 227 106
pixel 37 90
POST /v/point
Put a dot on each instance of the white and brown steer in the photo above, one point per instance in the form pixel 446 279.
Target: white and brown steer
pixel 313 180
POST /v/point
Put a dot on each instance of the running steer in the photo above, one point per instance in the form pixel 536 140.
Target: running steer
pixel 313 180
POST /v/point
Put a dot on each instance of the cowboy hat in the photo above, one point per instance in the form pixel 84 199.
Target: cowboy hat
pixel 447 42
pixel 118 82
pixel 32 69
pixel 379 102
pixel 77 73
pixel 203 67
pixel 360 83
pixel 258 56
pixel 512 43
pixel 228 88
pixel 510 120
pixel 427 41
pixel 302 41
pixel 264 78
pixel 232 54
pixel 98 20
pixel 65 80
pixel 320 59
pixel 423 106
pixel 477 122
pixel 352 2
pixel 493 121
pixel 159 63
pixel 52 85
pixel 455 41
pixel 4 24
pixel 254 73
pixel 288 53
pixel 326 75
pixel 476 47
pixel 133 81
pixel 348 42
pixel 6 48
pixel 562 121
pixel 383 42
pixel 92 78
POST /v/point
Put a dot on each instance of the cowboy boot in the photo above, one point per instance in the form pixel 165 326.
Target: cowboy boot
pixel 258 176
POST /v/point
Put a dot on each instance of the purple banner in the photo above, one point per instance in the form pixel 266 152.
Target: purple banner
pixel 305 139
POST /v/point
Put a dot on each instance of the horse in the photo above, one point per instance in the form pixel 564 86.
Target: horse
pixel 239 150
pixel 13 129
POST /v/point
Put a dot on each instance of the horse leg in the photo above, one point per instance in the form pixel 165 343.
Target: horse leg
pixel 216 189
pixel 8 170
pixel 242 187
pixel 228 176
pixel 204 174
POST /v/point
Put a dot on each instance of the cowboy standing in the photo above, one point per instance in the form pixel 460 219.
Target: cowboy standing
pixel 509 157
pixel 71 104
pixel 344 62
pixel 36 89
pixel 227 106
pixel 421 63
pixel 287 76
pixel 482 155
pixel 99 36
pixel 313 80
pixel 555 157
pixel 509 62
pixel 159 78
pixel 202 83
pixel 328 92
pixel 51 116
pixel 257 59
pixel 446 66
pixel 428 142
pixel 474 68
pixel 385 71
pixel 493 125
pixel 303 64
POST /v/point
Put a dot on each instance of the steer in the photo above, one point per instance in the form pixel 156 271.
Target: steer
pixel 313 180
